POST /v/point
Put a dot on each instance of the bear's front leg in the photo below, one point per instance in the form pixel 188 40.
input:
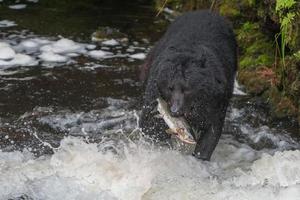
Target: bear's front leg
pixel 208 141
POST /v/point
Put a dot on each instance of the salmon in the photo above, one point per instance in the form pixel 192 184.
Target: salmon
pixel 178 126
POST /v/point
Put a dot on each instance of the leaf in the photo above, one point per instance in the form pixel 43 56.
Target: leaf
pixel 287 19
pixel 284 4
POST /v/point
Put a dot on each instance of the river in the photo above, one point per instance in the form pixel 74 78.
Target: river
pixel 69 109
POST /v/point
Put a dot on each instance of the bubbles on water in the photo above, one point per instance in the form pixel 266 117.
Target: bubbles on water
pixel 7 23
pixel 17 6
pixel 27 49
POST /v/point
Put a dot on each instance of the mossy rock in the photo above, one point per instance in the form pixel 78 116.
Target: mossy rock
pixel 236 8
pixel 295 86
pixel 292 77
pixel 229 9
pixel 294 34
pixel 282 106
pixel 254 83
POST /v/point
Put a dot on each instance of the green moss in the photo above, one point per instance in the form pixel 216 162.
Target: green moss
pixel 297 55
pixel 249 3
pixel 256 48
pixel 229 10
pixel 253 61
pixel 246 61
pixel 265 59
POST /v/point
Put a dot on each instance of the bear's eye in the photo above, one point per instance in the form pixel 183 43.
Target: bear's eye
pixel 171 88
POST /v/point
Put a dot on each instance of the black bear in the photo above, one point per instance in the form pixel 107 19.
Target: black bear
pixel 192 67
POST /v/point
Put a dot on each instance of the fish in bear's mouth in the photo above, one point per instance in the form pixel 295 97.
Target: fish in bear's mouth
pixel 178 126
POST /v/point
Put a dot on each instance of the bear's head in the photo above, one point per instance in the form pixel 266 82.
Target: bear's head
pixel 185 81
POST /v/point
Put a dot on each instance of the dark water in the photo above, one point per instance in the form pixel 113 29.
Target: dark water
pixel 69 86
pixel 41 105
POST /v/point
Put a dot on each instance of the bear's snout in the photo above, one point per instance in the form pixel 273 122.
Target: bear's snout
pixel 177 104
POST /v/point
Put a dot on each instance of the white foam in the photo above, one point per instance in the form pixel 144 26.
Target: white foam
pixel 53 57
pixel 72 54
pixel 7 23
pixel 24 60
pixel 41 41
pixel 268 136
pixel 282 169
pixel 17 6
pixel 63 46
pixel 111 42
pixel 28 46
pixel 139 56
pixel 97 54
pixel 105 48
pixel 91 46
pixel 6 52
pixel 18 60
pixel 78 170
pixel 47 51
pixel 4 44
pixel 130 50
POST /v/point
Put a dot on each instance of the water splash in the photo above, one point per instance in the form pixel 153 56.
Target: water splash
pixel 140 170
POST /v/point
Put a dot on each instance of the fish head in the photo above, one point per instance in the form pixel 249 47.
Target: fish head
pixel 185 136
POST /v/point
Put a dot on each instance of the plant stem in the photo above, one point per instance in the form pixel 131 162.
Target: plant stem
pixel 162 8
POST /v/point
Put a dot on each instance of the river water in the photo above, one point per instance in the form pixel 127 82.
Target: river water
pixel 70 108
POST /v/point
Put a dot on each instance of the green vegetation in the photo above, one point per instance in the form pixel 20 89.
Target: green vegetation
pixel 268 68
pixel 284 9
pixel 230 8
pixel 256 49
pixel 285 19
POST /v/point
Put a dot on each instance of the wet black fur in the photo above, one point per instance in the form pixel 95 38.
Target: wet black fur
pixel 199 49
